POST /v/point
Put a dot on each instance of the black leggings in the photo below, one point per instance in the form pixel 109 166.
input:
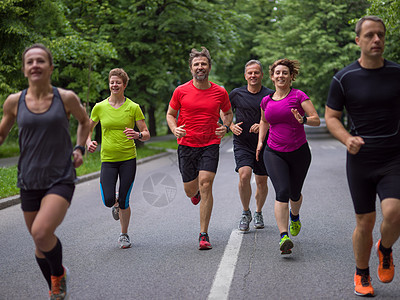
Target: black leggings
pixel 126 170
pixel 288 171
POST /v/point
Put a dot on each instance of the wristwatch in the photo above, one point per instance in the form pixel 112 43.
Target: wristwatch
pixel 304 119
pixel 227 128
pixel 140 135
pixel 82 148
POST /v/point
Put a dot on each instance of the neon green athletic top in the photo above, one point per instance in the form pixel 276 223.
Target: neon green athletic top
pixel 115 146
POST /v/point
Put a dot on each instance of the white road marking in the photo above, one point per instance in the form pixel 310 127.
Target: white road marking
pixel 326 147
pixel 223 277
pixel 230 150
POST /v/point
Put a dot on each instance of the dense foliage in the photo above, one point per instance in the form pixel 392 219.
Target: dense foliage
pixel 151 40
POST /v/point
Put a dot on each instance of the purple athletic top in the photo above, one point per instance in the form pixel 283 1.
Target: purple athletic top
pixel 286 134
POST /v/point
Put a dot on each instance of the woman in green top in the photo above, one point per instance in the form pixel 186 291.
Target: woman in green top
pixel 118 116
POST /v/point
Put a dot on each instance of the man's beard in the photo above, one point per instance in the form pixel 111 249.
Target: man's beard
pixel 200 77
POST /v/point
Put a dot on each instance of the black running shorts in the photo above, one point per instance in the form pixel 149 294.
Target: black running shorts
pixel 368 177
pixel 247 157
pixel 195 159
pixel 31 199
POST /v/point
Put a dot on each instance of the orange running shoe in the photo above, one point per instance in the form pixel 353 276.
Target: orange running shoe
pixel 386 266
pixel 59 286
pixel 362 285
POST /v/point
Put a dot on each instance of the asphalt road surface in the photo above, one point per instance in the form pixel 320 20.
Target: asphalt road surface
pixel 164 262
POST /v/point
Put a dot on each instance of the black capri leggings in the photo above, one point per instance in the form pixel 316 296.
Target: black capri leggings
pixel 288 171
pixel 126 170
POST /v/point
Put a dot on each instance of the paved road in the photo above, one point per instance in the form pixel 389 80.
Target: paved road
pixel 164 262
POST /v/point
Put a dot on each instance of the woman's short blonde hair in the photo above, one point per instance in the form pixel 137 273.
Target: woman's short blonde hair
pixel 120 73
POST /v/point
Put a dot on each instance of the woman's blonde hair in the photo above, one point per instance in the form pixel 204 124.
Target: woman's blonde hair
pixel 120 73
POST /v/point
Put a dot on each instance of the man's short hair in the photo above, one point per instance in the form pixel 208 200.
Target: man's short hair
pixel 368 18
pixel 253 62
pixel 195 53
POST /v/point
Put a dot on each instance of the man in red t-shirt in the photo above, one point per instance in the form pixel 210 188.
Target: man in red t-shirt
pixel 200 103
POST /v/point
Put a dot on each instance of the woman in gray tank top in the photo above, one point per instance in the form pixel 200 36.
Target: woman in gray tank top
pixel 46 172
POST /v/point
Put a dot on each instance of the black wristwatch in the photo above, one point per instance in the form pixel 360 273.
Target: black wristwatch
pixel 227 128
pixel 140 135
pixel 304 119
pixel 82 148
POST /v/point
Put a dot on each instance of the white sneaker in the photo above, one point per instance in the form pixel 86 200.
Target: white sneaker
pixel 124 241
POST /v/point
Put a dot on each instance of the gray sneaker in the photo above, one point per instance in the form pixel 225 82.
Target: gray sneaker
pixel 245 221
pixel 258 220
pixel 115 208
pixel 115 212
pixel 124 241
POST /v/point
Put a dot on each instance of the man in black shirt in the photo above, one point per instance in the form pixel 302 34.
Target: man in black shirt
pixel 245 101
pixel 369 89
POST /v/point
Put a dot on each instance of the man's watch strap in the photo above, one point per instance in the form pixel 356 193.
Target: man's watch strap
pixel 82 148
pixel 140 135
pixel 304 119
pixel 227 128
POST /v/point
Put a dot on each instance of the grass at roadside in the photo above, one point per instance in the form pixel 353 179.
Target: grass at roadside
pixel 9 149
pixel 170 144
pixel 8 176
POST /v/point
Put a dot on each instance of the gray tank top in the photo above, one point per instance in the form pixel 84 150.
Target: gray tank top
pixel 45 146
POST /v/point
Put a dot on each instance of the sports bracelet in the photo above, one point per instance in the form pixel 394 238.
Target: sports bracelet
pixel 82 148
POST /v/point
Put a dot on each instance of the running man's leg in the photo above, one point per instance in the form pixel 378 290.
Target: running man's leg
pixel 261 192
pixel 191 188
pixel 362 239
pixel 390 227
pixel 245 186
pixel 206 179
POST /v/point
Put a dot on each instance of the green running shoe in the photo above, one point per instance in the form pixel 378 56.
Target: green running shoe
pixel 295 227
pixel 285 245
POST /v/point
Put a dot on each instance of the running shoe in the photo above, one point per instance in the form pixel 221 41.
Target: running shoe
pixel 245 221
pixel 196 199
pixel 295 227
pixel 362 285
pixel 386 266
pixel 204 242
pixel 59 286
pixel 258 220
pixel 124 241
pixel 285 245
pixel 115 212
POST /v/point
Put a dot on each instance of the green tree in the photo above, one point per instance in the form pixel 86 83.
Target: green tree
pixel 389 11
pixel 318 35
pixel 252 17
pixel 154 38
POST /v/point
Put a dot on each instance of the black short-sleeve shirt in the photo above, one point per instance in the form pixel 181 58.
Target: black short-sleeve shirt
pixel 372 99
pixel 246 107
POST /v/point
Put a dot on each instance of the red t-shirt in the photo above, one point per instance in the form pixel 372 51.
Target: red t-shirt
pixel 199 111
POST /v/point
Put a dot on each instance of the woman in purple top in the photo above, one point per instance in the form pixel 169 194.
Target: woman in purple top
pixel 287 156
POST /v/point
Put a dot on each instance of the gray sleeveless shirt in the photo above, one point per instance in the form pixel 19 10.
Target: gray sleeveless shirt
pixel 45 146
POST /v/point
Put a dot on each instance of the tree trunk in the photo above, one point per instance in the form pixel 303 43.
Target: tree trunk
pixel 152 120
